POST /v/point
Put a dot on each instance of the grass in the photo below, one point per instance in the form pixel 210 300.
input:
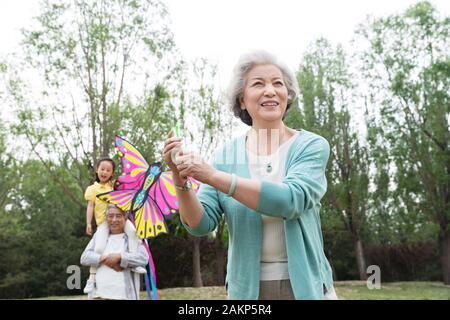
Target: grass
pixel 357 290
pixel 346 290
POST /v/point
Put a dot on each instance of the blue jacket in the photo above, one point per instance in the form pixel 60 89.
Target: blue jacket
pixel 296 200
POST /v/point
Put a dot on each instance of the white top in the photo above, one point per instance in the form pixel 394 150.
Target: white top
pixel 110 283
pixel 273 250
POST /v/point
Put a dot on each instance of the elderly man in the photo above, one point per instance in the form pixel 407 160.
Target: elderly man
pixel 115 277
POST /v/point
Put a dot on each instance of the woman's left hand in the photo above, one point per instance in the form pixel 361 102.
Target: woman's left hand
pixel 191 164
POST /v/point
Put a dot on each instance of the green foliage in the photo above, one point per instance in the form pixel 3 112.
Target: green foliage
pixel 202 108
pixel 43 235
pixel 147 123
pixel 326 98
pixel 409 65
pixel 90 55
pixel 102 68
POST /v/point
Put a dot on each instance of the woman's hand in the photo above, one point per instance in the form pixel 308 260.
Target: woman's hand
pixel 170 145
pixel 191 164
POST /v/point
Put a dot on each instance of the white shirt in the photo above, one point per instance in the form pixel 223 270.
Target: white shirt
pixel 273 250
pixel 110 283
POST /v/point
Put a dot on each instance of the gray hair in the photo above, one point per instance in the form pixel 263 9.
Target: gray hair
pixel 245 63
pixel 113 206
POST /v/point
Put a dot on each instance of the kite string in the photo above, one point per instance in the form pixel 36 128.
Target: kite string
pixel 152 266
pixel 147 286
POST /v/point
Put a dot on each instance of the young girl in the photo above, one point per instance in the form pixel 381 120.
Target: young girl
pixel 97 208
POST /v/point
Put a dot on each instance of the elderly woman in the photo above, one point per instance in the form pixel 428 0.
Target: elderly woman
pixel 116 278
pixel 268 183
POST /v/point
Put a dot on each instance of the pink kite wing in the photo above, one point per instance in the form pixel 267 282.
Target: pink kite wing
pixel 149 220
pixel 133 163
pixel 126 182
pixel 163 193
pixel 144 191
pixel 121 198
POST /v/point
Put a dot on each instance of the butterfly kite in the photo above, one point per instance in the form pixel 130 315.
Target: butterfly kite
pixel 146 193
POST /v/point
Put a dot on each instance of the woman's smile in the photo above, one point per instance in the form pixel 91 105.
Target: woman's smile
pixel 270 105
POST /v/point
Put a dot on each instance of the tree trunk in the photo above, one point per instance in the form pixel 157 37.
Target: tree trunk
pixel 196 271
pixel 360 258
pixel 220 254
pixel 94 137
pixel 444 244
pixel 333 270
pixel 444 233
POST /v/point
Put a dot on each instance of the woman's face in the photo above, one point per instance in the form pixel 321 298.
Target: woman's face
pixel 105 171
pixel 265 94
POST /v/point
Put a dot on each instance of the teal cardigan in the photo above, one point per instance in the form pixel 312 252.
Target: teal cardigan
pixel 296 200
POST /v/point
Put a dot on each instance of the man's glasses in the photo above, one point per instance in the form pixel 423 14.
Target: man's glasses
pixel 118 216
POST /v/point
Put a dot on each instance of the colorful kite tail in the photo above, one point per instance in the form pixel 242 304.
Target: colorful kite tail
pixel 152 271
pixel 151 268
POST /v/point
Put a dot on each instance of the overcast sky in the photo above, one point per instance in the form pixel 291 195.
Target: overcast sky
pixel 222 30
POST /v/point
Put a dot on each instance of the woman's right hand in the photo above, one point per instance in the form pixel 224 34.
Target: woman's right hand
pixel 170 144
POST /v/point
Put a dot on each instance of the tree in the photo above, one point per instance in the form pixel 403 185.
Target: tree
pixel 204 120
pixel 41 235
pixel 407 65
pixel 106 67
pixel 101 63
pixel 326 97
